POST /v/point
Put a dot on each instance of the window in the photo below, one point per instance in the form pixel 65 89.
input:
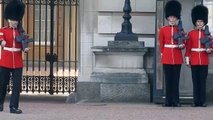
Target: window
pixel 42 24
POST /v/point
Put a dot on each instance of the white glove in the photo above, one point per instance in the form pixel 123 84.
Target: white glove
pixel 208 50
pixel 26 50
pixel 187 60
pixel 181 46
pixel 3 43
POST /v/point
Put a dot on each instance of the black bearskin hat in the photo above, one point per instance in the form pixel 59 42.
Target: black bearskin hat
pixel 14 10
pixel 199 12
pixel 173 8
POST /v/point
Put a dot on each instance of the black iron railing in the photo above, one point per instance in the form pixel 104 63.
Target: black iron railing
pixel 51 65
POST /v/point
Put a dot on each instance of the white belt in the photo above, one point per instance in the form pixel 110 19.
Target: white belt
pixel 12 49
pixel 198 49
pixel 170 46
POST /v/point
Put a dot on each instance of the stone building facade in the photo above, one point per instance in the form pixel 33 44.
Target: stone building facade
pixel 100 20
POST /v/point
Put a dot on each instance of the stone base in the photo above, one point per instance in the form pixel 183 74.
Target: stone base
pixel 122 87
pixel 125 92
pixel 118 74
pixel 106 92
pixel 126 44
pixel 85 91
pixel 112 76
pixel 113 87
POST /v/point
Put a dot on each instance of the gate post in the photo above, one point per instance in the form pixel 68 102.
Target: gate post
pixel 51 57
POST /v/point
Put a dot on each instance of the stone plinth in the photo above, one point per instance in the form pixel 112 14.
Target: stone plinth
pixel 118 74
pixel 118 68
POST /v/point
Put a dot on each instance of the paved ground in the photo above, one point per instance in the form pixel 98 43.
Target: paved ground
pixel 48 107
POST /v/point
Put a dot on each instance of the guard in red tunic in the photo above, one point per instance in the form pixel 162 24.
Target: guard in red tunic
pixel 198 48
pixel 171 54
pixel 11 63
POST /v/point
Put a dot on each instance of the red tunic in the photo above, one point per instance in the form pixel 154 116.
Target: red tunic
pixel 170 55
pixel 195 57
pixel 11 58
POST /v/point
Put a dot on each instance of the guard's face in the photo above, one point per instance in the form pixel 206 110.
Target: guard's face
pixel 199 24
pixel 172 20
pixel 13 23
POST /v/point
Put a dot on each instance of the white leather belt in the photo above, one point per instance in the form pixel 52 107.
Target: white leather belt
pixel 170 46
pixel 12 49
pixel 198 49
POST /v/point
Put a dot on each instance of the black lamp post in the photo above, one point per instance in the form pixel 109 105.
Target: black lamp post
pixel 126 33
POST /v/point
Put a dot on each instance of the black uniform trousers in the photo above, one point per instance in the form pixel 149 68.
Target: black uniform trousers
pixel 16 75
pixel 199 76
pixel 172 76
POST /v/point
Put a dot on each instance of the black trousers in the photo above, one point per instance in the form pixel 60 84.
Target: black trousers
pixel 172 76
pixel 16 75
pixel 199 76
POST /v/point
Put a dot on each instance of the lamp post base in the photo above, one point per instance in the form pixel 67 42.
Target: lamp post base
pixel 126 37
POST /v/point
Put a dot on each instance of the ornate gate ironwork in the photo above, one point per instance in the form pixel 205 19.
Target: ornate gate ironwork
pixel 51 64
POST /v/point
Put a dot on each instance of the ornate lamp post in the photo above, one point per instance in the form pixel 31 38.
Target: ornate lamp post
pixel 126 33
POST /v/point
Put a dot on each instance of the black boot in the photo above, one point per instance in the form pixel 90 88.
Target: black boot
pixel 195 104
pixel 203 105
pixel 167 105
pixel 176 105
pixel 15 110
pixel 1 107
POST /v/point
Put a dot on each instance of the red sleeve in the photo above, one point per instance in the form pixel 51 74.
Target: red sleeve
pixel 161 40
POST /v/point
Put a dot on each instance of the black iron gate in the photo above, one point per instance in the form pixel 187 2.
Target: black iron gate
pixel 51 64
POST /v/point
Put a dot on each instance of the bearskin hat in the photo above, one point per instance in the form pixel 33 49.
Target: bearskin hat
pixel 173 8
pixel 14 10
pixel 199 12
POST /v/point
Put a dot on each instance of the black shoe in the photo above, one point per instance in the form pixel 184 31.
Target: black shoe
pixel 177 105
pixel 167 105
pixel 15 110
pixel 1 107
pixel 203 105
pixel 195 105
